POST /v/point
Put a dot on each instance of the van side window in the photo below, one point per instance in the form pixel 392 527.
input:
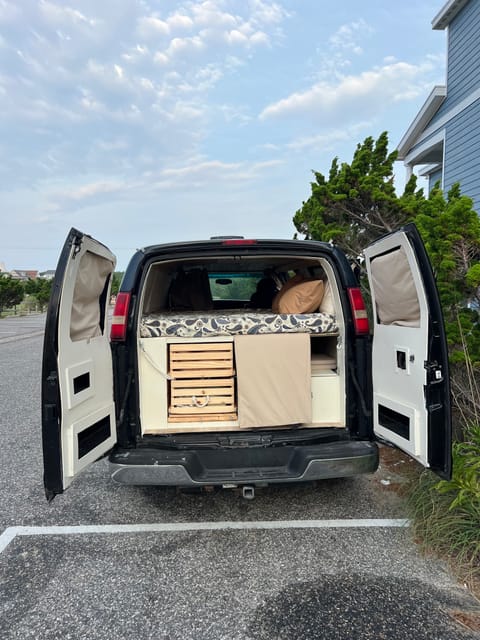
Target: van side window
pixel 394 289
pixel 87 319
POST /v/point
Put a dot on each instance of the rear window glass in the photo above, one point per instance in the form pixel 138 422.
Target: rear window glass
pixel 233 286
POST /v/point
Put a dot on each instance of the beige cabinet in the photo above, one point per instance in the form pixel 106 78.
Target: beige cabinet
pixel 326 407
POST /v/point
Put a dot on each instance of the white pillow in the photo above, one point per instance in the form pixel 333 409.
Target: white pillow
pixel 327 305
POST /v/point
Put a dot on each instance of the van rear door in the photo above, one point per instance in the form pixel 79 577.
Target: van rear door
pixel 78 411
pixel 411 391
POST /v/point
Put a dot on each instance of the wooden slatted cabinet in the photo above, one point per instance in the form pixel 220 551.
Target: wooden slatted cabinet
pixel 203 382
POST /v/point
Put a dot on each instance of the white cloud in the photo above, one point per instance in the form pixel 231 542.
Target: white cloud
pixel 151 27
pixel 235 37
pixel 57 14
pixel 9 12
pixel 161 58
pixel 329 140
pixel 136 53
pixel 93 189
pixel 202 172
pixel 182 45
pixel 233 113
pixel 91 104
pixel 259 37
pixel 208 14
pixel 346 37
pixel 374 89
pixel 77 72
pixel 61 201
pixel 268 12
pixel 147 84
pixel 116 144
pixel 198 173
pixel 179 21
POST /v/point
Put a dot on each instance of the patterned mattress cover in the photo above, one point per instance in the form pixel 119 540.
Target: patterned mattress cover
pixel 194 324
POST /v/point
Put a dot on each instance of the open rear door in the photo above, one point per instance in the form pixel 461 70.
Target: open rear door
pixel 78 412
pixel 411 391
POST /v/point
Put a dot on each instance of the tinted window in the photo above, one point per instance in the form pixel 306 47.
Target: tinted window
pixel 233 286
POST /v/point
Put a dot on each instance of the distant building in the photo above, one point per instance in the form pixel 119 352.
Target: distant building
pixel 47 275
pixel 444 137
pixel 2 268
pixel 24 274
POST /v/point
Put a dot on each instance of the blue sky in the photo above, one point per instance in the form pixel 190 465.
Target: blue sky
pixel 147 121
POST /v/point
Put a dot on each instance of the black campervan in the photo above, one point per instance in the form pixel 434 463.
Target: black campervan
pixel 235 362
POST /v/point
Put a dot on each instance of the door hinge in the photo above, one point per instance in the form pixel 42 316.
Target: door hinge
pixel 50 412
pixel 77 245
pixel 52 378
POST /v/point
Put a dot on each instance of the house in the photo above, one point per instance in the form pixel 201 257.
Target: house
pixel 47 275
pixel 444 137
pixel 24 274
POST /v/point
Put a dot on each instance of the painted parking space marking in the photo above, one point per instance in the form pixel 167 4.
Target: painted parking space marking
pixel 21 336
pixel 167 527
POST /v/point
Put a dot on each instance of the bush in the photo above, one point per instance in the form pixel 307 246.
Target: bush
pixel 446 514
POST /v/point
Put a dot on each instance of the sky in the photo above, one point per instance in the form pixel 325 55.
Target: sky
pixel 150 121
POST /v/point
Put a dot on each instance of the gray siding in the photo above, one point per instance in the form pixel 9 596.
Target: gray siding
pixel 462 153
pixel 433 178
pixel 463 65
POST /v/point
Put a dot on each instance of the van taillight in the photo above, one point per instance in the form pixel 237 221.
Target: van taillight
pixel 120 317
pixel 359 311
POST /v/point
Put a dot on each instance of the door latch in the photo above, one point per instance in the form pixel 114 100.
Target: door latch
pixel 434 372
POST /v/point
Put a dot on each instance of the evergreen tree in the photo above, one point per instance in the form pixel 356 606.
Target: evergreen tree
pixel 357 203
pixel 450 229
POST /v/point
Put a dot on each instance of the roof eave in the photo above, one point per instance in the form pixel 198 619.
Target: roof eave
pixel 431 168
pixel 447 13
pixel 426 113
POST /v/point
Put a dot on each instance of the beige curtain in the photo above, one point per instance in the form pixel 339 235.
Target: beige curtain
pixel 395 293
pixel 89 285
pixel 274 379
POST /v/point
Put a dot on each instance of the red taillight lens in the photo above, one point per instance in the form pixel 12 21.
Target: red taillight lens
pixel 359 311
pixel 120 317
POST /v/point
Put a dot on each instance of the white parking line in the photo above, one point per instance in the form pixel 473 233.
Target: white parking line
pixel 12 532
pixel 21 336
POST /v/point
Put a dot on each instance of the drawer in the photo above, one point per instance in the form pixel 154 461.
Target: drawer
pixel 203 384
pixel 202 360
pixel 214 395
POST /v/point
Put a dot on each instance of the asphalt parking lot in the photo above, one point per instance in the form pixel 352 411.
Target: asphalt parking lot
pixel 331 560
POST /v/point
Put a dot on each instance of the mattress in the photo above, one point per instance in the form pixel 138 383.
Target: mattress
pixel 231 322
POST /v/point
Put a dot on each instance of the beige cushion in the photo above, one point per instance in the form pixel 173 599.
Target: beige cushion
pixel 288 285
pixel 327 305
pixel 304 297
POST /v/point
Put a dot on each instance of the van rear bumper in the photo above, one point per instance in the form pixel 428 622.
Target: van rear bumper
pixel 200 467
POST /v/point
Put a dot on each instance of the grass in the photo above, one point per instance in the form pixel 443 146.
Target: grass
pixel 29 306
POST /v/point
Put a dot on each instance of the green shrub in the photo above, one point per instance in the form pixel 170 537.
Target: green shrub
pixel 446 514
